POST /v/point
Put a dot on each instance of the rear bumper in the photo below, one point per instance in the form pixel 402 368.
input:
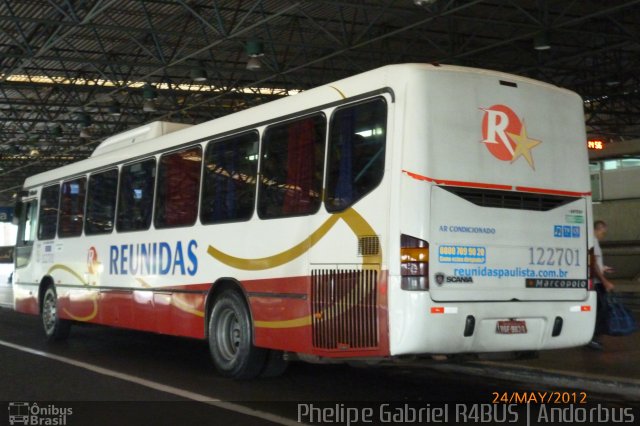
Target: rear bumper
pixel 418 325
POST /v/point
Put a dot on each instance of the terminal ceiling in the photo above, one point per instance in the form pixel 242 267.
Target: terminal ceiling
pixel 76 71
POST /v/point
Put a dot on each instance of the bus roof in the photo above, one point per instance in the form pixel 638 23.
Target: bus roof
pixel 126 145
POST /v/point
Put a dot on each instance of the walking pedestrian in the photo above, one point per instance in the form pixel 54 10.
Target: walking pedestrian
pixel 601 283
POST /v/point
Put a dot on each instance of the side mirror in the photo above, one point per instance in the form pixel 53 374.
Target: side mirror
pixel 17 212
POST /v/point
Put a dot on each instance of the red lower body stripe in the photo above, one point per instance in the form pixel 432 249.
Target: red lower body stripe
pixel 280 308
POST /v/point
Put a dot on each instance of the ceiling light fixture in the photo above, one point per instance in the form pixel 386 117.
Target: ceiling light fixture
pixel 255 51
pixel 85 134
pixel 56 131
pixel 254 64
pixel 198 73
pixel 149 92
pixel 541 41
pixel 114 109
pixel 85 120
pixel 149 106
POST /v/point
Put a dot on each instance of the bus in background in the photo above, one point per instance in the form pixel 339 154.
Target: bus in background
pixel 411 209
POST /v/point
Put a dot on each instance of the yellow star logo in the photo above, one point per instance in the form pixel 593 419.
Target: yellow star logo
pixel 524 145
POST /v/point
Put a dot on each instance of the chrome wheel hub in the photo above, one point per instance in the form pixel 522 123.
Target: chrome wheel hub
pixel 229 334
pixel 49 313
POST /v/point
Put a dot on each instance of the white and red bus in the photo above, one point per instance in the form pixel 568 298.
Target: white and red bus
pixel 412 209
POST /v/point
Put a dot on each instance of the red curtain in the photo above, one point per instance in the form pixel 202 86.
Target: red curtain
pixel 300 167
pixel 181 188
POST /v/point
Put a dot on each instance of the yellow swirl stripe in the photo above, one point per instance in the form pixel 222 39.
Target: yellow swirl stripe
pixel 339 91
pixel 143 283
pixel 89 317
pixel 277 259
pixel 184 306
pixel 340 308
pixel 68 270
pixel 176 301
pixel 358 225
pixel 77 276
pixel 296 322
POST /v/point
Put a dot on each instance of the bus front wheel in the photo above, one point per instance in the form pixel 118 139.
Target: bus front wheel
pixel 231 338
pixel 54 327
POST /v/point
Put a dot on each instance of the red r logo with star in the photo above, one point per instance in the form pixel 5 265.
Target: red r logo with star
pixel 92 260
pixel 505 135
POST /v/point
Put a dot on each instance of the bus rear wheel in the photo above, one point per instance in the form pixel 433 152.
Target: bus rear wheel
pixel 55 328
pixel 231 338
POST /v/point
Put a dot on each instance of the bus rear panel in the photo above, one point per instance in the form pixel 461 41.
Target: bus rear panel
pixel 495 186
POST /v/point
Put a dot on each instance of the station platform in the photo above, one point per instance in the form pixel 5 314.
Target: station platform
pixel 612 371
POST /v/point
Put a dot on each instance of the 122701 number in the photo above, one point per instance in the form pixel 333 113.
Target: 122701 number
pixel 554 256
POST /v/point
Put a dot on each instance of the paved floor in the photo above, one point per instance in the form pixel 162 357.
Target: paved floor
pixel 619 359
pixel 144 371
pixel 111 376
pixel 6 296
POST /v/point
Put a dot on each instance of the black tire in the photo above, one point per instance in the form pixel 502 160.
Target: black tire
pixel 231 338
pixel 275 365
pixel 55 329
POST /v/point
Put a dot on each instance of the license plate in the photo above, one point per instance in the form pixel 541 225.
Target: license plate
pixel 511 327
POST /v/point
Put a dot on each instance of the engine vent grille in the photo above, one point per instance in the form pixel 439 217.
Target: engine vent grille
pixel 344 309
pixel 369 245
pixel 510 199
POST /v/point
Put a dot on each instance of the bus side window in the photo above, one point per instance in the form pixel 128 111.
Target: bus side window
pixel 291 168
pixel 355 163
pixel 26 233
pixel 101 202
pixel 48 222
pixel 72 208
pixel 135 200
pixel 178 188
pixel 229 184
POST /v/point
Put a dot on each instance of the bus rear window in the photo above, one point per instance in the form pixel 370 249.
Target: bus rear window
pixel 229 186
pixel 291 168
pixel 135 202
pixel 101 202
pixel 356 152
pixel 72 208
pixel 178 188
pixel 48 221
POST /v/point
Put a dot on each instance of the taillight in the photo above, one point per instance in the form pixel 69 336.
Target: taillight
pixel 591 262
pixel 414 263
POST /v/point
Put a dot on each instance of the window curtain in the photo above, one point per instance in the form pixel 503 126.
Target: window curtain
pixel 172 190
pixel 344 186
pixel 300 167
pixel 224 201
